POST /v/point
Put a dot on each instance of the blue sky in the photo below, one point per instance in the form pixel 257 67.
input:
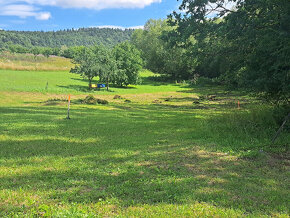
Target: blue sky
pixel 49 15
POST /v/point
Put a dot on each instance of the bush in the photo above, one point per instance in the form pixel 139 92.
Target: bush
pixel 90 99
pixel 117 97
pixel 101 101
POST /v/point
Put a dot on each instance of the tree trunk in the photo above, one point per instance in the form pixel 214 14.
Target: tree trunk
pixel 280 129
pixel 107 84
pixel 90 83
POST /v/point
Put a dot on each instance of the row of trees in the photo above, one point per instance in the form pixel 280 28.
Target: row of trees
pixel 120 65
pixel 55 39
pixel 159 55
pixel 244 45
pixel 63 51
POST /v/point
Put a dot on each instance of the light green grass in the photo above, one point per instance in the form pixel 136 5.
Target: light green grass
pixel 65 82
pixel 172 158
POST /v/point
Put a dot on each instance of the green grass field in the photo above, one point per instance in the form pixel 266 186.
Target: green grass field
pixel 62 82
pixel 160 155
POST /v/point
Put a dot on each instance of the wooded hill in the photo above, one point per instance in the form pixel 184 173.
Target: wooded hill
pixel 70 37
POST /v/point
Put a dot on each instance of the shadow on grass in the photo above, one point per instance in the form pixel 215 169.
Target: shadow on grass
pixel 221 91
pixel 81 88
pixel 145 155
pixel 97 82
pixel 76 88
pixel 158 81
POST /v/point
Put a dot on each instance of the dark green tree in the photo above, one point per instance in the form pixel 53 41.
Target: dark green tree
pixel 129 63
pixel 86 64
pixel 160 56
pixel 35 51
pixel 108 65
pixel 248 41
pixel 96 61
pixel 47 52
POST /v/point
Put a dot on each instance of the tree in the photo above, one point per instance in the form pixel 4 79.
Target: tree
pixel 47 52
pixel 129 63
pixel 250 41
pixel 159 55
pixel 86 64
pixel 91 62
pixel 108 66
pixel 35 51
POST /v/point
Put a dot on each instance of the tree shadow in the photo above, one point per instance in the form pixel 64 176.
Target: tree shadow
pixel 145 155
pixel 122 87
pixel 158 81
pixel 220 91
pixel 79 88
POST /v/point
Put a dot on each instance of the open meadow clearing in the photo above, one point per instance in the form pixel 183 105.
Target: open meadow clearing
pixel 133 108
pixel 162 149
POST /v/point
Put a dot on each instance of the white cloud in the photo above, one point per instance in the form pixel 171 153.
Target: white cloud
pixel 43 16
pixel 23 11
pixel 90 4
pixel 27 8
pixel 118 27
pixel 136 27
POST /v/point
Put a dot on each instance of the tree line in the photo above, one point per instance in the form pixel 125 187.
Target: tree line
pixel 24 40
pixel 119 66
pixel 245 45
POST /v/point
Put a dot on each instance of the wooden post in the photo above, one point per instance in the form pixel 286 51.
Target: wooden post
pixel 280 129
pixel 68 117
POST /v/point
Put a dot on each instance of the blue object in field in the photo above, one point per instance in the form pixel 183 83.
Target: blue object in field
pixel 101 86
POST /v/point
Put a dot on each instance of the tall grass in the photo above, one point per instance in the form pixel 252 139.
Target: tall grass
pixel 9 61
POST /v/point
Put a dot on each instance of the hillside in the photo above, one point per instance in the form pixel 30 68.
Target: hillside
pixel 70 37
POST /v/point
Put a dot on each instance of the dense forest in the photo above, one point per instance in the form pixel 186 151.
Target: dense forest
pixel 70 37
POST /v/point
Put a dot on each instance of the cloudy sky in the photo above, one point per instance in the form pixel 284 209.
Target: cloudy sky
pixel 62 14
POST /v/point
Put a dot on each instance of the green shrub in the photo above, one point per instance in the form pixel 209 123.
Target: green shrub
pixel 102 101
pixel 90 99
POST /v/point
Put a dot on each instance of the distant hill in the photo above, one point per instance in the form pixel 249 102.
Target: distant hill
pixel 71 37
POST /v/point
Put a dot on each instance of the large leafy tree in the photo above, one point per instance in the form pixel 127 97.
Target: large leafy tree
pixel 249 39
pixel 129 63
pixel 97 61
pixel 86 64
pixel 160 56
pixel 108 66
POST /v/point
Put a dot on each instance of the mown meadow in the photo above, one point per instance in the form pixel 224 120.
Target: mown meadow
pixel 161 149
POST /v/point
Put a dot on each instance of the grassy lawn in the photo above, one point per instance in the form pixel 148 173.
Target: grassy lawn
pixel 62 82
pixel 159 155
